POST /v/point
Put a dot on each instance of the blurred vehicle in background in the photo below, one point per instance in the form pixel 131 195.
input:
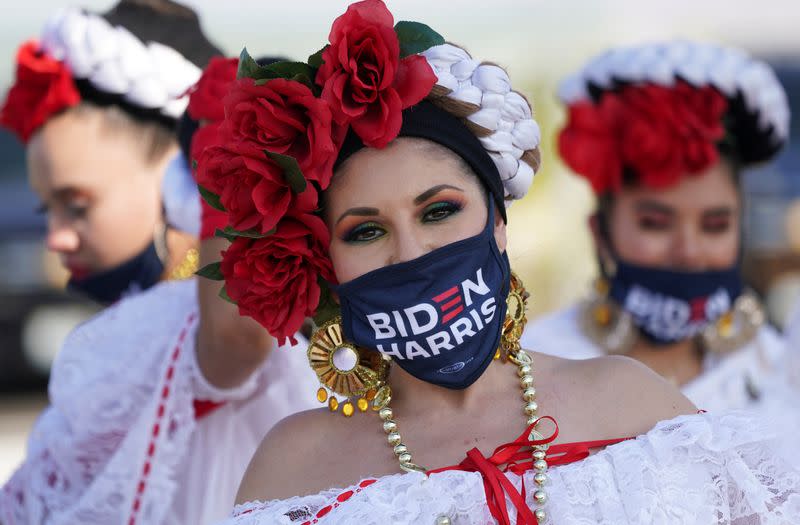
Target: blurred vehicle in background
pixel 35 313
pixel 772 214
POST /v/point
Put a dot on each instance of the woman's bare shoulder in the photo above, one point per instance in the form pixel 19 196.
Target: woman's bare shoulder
pixel 631 397
pixel 304 454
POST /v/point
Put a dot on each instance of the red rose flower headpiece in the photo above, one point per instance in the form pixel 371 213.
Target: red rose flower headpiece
pixel 81 56
pixel 284 127
pixel 661 111
pixel 43 87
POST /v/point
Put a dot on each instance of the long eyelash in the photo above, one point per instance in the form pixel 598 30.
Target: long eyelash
pixel 349 236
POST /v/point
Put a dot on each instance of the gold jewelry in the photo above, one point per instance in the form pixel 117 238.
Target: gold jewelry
pixel 736 328
pixel 345 369
pixel 187 267
pixel 511 351
pixel 605 323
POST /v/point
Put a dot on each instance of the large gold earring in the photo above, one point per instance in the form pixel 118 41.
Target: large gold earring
pixel 345 369
pixel 605 323
pixel 516 318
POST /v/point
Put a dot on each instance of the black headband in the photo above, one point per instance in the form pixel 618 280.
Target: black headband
pixel 427 121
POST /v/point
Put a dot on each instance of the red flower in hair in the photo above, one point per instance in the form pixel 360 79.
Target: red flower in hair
pixel 205 101
pixel 253 191
pixel 668 132
pixel 212 219
pixel 588 147
pixel 283 116
pixel 275 279
pixel 363 78
pixel 660 133
pixel 43 87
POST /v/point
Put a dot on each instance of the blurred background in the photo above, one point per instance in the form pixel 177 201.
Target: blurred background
pixel 538 41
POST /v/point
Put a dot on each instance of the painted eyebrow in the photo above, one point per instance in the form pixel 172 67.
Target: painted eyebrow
pixel 718 212
pixel 360 212
pixel 422 197
pixel 68 192
pixel 653 206
pixel 427 194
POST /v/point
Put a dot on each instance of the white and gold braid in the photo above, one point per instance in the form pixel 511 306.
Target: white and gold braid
pixel 150 76
pixel 481 94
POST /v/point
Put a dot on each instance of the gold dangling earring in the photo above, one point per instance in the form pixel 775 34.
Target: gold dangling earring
pixel 345 369
pixel 605 323
pixel 516 318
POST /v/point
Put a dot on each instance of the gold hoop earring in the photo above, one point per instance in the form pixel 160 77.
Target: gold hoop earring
pixel 516 318
pixel 344 369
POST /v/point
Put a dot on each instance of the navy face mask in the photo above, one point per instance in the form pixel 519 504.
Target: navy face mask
pixel 669 306
pixel 137 274
pixel 439 316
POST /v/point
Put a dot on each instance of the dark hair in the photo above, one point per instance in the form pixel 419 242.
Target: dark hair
pixel 165 22
pixel 168 23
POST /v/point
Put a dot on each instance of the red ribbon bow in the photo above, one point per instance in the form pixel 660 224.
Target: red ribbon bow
pixel 515 457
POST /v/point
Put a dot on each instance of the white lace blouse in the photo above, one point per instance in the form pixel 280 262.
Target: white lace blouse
pixel 740 379
pixel 699 469
pixel 135 434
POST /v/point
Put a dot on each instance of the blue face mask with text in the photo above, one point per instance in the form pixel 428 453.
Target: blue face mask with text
pixel 439 317
pixel 669 306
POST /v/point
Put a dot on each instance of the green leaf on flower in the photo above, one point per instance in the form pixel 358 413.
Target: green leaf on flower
pixel 222 234
pixel 211 271
pixel 291 170
pixel 211 198
pixel 224 294
pixel 416 37
pixel 229 232
pixel 248 67
pixel 315 60
pixel 328 308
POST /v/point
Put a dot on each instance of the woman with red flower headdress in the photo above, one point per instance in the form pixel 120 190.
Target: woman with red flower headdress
pixel 398 251
pixel 157 403
pixel 662 133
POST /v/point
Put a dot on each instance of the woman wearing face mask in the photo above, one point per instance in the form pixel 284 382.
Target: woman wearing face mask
pixel 662 133
pixel 387 225
pixel 96 102
pixel 158 403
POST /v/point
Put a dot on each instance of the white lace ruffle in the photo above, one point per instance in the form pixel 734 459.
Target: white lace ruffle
pixel 121 431
pixel 690 470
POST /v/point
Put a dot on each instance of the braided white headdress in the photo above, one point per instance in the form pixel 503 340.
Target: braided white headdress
pixel 500 117
pixel 150 76
pixel 729 70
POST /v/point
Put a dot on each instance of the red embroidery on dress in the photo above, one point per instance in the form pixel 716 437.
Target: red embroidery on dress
pixel 341 498
pixel 151 448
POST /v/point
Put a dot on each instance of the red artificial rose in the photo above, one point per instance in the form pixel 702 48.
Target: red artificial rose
pixel 666 133
pixel 253 191
pixel 43 87
pixel 660 134
pixel 363 78
pixel 205 99
pixel 212 219
pixel 588 147
pixel 283 116
pixel 275 279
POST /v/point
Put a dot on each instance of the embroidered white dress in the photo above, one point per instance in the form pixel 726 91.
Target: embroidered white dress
pixel 698 469
pixel 121 442
pixel 740 379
